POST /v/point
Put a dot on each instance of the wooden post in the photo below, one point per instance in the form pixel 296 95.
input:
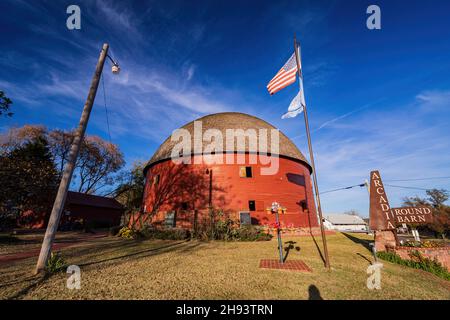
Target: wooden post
pixel 311 155
pixel 60 199
pixel 210 205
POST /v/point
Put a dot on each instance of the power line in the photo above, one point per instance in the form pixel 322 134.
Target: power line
pixel 419 179
pixel 416 188
pixel 345 188
pixel 390 185
pixel 106 109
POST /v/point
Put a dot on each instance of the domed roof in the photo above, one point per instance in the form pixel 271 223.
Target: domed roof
pixel 231 120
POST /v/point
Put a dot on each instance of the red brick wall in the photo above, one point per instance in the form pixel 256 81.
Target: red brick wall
pixel 289 186
pixel 441 254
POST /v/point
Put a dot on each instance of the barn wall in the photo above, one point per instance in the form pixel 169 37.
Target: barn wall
pixel 181 184
pixel 106 216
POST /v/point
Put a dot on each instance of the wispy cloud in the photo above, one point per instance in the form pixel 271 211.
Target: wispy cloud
pixel 118 17
pixel 434 100
pixel 189 71
pixel 331 121
pixel 398 142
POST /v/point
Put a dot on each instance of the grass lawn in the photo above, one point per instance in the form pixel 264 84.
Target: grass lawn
pixel 113 268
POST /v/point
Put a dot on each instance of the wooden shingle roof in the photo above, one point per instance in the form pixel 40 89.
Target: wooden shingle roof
pixel 231 120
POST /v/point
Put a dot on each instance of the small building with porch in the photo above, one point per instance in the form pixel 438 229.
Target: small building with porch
pixel 81 210
pixel 345 223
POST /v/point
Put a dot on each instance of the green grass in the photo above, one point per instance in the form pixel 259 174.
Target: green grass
pixel 114 268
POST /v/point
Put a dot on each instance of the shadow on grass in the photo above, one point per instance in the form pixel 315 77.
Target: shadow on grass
pixel 115 250
pixel 147 252
pixel 314 293
pixel 365 243
pixel 289 247
pixel 81 237
pixel 9 239
pixel 17 281
pixel 315 242
pixel 38 280
pixel 365 258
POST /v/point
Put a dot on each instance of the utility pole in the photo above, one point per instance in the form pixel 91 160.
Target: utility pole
pixel 367 184
pixel 60 199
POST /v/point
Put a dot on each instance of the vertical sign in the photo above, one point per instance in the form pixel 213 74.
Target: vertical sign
pixel 381 217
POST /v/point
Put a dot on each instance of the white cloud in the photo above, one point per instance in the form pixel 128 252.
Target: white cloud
pixel 117 16
pixel 434 100
pixel 190 72
pixel 400 142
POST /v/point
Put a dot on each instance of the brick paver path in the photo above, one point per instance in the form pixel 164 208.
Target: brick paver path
pixel 6 258
pixel 292 265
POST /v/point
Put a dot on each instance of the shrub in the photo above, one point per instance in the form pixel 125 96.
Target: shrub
pixel 425 244
pixel 224 230
pixel 114 230
pixel 418 261
pixel 434 244
pixel 127 233
pixel 164 234
pixel 55 263
pixel 251 233
pixel 146 232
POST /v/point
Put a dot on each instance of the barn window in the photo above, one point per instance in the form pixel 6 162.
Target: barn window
pixel 184 206
pixel 156 180
pixel 304 205
pixel 170 219
pixel 245 172
pixel 245 218
pixel 251 205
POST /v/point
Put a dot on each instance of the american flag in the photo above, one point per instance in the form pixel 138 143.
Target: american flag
pixel 284 77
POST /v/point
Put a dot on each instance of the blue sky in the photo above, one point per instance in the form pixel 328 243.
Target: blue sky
pixel 377 99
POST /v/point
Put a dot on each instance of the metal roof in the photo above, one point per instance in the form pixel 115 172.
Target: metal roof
pixel 91 200
pixel 344 219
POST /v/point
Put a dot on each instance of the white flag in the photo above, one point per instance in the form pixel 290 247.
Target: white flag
pixel 297 104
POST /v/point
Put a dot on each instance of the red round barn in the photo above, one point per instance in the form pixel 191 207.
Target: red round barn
pixel 180 194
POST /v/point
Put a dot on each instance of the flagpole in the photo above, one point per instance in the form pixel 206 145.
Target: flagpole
pixel 311 155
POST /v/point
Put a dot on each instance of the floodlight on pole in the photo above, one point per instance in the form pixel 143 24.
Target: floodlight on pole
pixel 115 68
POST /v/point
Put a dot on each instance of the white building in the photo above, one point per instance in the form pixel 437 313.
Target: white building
pixel 345 223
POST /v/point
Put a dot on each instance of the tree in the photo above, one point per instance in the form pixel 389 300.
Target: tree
pixel 414 201
pixel 5 104
pixel 441 212
pixel 28 179
pixel 98 162
pixel 131 191
pixel 17 137
pixel 352 212
pixel 437 197
pixel 59 143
